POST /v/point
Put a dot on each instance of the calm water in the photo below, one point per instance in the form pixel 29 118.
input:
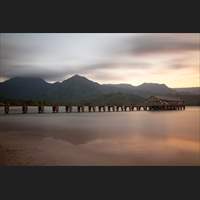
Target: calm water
pixel 124 138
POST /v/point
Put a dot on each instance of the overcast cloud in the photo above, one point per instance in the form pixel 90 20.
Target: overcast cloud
pixel 107 58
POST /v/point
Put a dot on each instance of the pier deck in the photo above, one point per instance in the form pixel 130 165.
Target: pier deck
pixel 91 109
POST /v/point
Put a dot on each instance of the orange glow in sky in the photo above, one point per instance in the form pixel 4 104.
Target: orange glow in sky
pixel 134 58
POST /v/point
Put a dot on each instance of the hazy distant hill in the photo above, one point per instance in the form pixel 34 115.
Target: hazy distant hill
pixel 155 88
pixel 112 88
pixel 74 90
pixel 116 99
pixel 192 90
pixel 24 88
pixel 79 89
pixel 144 90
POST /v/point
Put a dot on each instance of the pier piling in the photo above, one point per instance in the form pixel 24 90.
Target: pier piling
pixel 40 109
pixel 24 109
pixel 6 109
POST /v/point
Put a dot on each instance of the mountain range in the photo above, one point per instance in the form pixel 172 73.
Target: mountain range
pixel 79 89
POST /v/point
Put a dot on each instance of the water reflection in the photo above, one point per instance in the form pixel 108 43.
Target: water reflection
pixel 128 138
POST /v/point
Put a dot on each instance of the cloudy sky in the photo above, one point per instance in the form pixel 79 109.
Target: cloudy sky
pixel 173 59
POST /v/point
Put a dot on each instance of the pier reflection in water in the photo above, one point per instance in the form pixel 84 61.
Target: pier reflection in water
pixel 110 138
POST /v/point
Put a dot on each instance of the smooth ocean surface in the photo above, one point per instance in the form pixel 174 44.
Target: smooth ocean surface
pixel 111 138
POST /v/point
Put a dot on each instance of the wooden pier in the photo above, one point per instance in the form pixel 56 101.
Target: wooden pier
pixel 153 103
